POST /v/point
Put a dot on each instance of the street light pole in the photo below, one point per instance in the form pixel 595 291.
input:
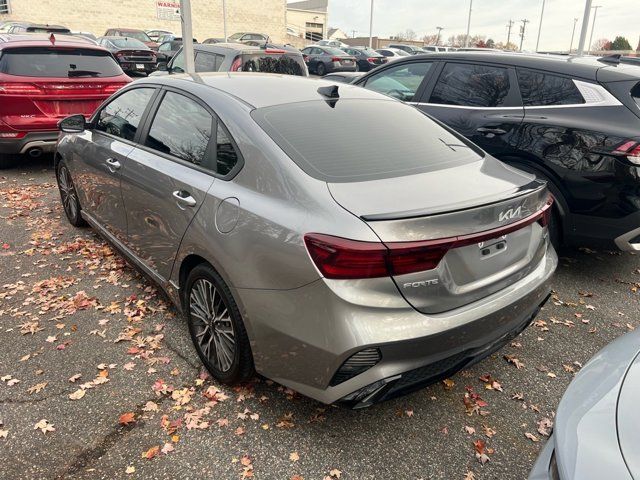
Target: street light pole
pixel 371 27
pixel 224 18
pixel 187 36
pixel 575 21
pixel 593 25
pixel 466 40
pixel 438 37
pixel 585 27
pixel 540 27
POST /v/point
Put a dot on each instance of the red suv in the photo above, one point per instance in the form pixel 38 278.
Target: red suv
pixel 44 78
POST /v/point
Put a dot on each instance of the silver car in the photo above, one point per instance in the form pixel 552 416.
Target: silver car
pixel 597 427
pixel 301 238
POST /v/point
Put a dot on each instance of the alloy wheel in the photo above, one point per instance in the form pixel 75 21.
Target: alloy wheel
pixel 214 332
pixel 68 192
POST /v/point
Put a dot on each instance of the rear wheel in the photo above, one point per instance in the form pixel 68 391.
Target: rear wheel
pixel 69 196
pixel 216 326
pixel 321 70
pixel 8 161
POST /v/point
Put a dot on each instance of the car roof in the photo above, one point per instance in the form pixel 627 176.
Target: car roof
pixel 126 29
pixel 587 67
pixel 232 46
pixel 260 90
pixel 43 40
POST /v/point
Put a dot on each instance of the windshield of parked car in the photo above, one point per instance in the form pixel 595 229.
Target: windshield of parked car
pixel 126 42
pixel 58 63
pixel 143 37
pixel 345 140
pixel 236 36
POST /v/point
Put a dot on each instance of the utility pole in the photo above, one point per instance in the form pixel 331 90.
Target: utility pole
pixel 511 22
pixel 371 27
pixel 585 27
pixel 593 25
pixel 466 40
pixel 575 21
pixel 438 37
pixel 540 27
pixel 522 29
pixel 224 18
pixel 187 36
pixel 353 33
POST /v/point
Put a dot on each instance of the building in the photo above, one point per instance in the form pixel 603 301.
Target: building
pixel 336 34
pixel 308 19
pixel 96 16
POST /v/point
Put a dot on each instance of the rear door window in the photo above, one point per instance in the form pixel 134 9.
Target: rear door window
pixel 542 89
pixel 51 62
pixel 471 85
pixel 207 62
pixel 121 117
pixel 401 82
pixel 319 137
pixel 182 128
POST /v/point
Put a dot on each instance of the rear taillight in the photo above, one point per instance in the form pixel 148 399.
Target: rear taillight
pixel 335 59
pixel 112 88
pixel 305 58
pixel 237 64
pixel 12 134
pixel 629 149
pixel 341 258
pixel 274 51
pixel 371 60
pixel 17 88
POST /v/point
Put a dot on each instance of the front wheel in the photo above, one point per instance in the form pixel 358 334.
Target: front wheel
pixel 216 326
pixel 69 196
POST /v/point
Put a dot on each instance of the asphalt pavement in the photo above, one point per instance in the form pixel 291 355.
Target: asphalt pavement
pixel 98 378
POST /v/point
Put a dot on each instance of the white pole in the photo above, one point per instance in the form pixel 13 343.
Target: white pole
pixel 187 36
pixel 585 27
pixel 224 18
pixel 371 27
pixel 573 33
pixel 540 27
pixel 593 26
pixel 466 40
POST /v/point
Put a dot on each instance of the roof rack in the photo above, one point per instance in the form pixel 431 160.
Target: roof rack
pixel 612 59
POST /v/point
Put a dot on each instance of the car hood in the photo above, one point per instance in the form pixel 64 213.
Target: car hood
pixel 628 419
pixel 586 430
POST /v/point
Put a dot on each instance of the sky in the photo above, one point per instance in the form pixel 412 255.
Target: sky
pixel 490 18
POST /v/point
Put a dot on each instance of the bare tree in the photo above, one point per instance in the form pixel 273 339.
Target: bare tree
pixel 410 34
pixel 601 44
pixel 430 39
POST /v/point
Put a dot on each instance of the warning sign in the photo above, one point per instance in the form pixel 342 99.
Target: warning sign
pixel 168 10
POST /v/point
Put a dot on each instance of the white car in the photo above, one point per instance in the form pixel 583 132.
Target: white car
pixel 392 53
pixel 332 43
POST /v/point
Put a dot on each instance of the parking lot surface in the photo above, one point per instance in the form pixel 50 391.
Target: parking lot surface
pixel 99 378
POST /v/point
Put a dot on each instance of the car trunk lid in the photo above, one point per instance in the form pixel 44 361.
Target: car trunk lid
pixel 486 232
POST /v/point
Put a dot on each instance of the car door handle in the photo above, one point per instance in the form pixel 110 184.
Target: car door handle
pixel 113 164
pixel 184 198
pixel 494 131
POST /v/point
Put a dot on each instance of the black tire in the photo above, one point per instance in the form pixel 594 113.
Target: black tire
pixel 225 365
pixel 69 196
pixel 555 229
pixel 321 70
pixel 8 161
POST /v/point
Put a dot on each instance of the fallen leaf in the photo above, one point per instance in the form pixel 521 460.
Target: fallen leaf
pixel 44 426
pixel 78 394
pixel 531 437
pixel 294 457
pixel 127 418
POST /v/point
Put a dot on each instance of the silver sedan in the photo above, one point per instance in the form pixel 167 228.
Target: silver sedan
pixel 302 239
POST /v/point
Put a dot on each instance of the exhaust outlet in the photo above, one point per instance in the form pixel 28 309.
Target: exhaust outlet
pixel 35 152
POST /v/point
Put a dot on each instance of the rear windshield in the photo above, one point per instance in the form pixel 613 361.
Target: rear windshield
pixel 58 63
pixel 128 43
pixel 143 37
pixel 274 63
pixel 355 140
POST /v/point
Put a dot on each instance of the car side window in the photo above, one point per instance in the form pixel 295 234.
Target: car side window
pixel 226 155
pixel 207 62
pixel 178 62
pixel 165 47
pixel 121 117
pixel 182 128
pixel 401 82
pixel 471 85
pixel 542 89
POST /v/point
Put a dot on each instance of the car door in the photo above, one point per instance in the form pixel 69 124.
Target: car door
pixel 405 81
pixel 102 156
pixel 167 178
pixel 480 101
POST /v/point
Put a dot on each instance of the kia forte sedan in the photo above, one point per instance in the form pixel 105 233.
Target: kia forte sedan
pixel 352 271
pixel 597 427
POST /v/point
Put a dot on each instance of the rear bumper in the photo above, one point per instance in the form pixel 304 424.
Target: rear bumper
pixel 333 68
pixel 302 337
pixel 614 233
pixel 45 141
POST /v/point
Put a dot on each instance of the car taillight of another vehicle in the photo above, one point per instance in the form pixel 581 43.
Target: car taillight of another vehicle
pixel 236 65
pixel 112 88
pixel 20 88
pixel 342 258
pixel 371 60
pixel 629 149
pixel 336 59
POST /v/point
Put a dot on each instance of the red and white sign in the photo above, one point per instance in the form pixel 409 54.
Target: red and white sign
pixel 168 11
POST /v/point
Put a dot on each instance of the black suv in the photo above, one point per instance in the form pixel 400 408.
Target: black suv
pixel 574 122
pixel 238 57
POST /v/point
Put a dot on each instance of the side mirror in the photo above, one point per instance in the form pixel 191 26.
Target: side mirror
pixel 162 66
pixel 73 124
